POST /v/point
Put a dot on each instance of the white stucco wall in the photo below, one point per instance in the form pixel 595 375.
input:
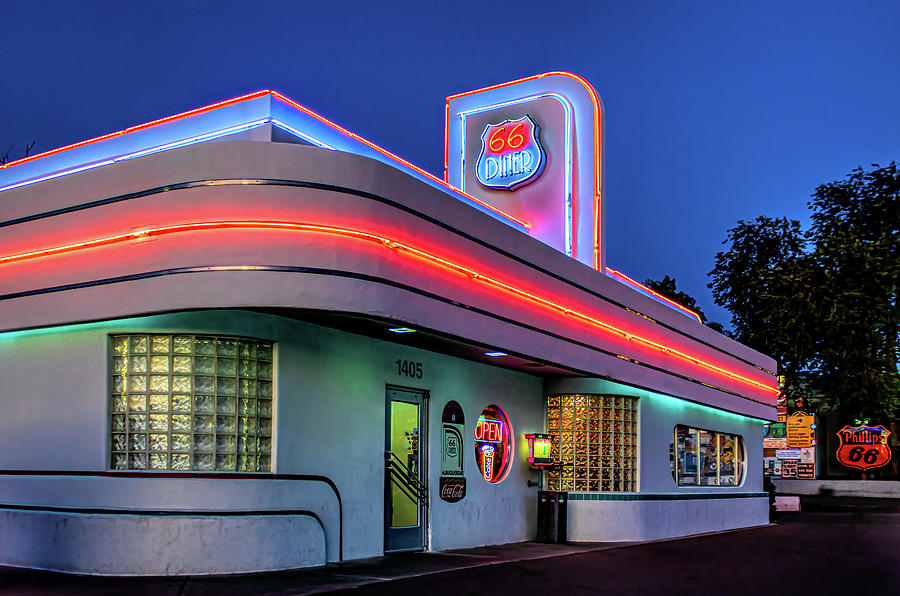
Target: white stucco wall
pixel 340 190
pixel 330 408
pixel 668 510
pixel 157 545
pixel 627 521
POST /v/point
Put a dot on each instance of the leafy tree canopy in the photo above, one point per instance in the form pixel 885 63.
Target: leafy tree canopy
pixel 823 302
pixel 666 287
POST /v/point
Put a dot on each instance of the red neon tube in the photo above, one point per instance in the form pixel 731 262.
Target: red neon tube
pixel 656 294
pixel 396 158
pixel 427 256
pixel 292 103
pixel 194 112
pixel 597 148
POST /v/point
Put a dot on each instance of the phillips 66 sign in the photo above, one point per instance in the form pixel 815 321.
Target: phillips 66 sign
pixel 864 447
pixel 511 154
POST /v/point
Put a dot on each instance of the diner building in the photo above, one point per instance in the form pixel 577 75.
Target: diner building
pixel 243 338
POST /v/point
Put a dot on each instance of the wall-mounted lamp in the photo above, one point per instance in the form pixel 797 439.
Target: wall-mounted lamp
pixel 539 449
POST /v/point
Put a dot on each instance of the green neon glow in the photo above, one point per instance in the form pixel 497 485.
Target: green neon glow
pixel 75 328
pixel 674 403
pixel 602 386
pixel 154 323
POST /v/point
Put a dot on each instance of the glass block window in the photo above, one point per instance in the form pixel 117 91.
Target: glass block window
pixel 191 403
pixel 595 440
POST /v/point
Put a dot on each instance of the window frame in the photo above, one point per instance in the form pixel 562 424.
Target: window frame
pixel 739 459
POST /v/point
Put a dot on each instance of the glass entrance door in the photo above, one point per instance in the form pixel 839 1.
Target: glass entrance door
pixel 405 481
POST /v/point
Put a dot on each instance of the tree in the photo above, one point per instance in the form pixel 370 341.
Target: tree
pixel 824 302
pixel 856 231
pixel 749 281
pixel 4 157
pixel 666 287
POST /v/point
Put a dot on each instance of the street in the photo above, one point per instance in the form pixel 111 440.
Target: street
pixel 806 553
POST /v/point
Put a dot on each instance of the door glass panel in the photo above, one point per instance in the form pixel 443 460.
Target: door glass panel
pixel 404 464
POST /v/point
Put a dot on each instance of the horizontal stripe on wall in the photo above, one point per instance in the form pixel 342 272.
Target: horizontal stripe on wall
pixel 377 198
pixel 662 496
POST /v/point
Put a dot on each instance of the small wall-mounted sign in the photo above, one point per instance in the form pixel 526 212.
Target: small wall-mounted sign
pixel 776 436
pixel 864 447
pixel 790 468
pixel 453 480
pixel 801 429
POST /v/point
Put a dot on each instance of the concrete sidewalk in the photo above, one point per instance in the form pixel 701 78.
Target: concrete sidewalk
pixel 304 581
pixel 817 553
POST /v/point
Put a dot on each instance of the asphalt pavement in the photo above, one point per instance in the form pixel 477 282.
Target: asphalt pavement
pixel 821 552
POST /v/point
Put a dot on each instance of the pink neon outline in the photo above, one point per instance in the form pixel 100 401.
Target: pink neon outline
pixel 597 173
pixel 595 99
pixel 669 301
pixel 292 103
pixel 394 157
pixel 427 256
pixel 194 112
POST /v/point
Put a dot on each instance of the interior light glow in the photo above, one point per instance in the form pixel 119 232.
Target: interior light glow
pixel 595 100
pixel 400 246
pixel 401 330
pixel 495 354
pixel 624 278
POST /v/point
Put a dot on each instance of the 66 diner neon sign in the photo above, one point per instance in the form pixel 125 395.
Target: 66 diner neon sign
pixel 511 154
pixel 864 447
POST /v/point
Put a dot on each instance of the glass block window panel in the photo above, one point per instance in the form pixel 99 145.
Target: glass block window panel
pixel 595 440
pixel 706 458
pixel 191 403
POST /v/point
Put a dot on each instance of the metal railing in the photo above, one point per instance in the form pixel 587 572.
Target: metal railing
pixel 407 482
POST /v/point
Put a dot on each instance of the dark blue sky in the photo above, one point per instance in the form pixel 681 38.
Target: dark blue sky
pixel 714 112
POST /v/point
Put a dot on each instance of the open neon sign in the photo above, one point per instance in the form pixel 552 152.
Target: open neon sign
pixel 493 444
pixel 489 431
